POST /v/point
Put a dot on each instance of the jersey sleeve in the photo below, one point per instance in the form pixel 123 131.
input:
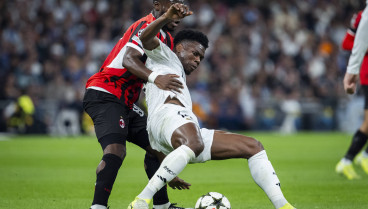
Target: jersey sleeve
pixel 354 22
pixel 162 53
pixel 348 41
pixel 134 40
pixel 360 45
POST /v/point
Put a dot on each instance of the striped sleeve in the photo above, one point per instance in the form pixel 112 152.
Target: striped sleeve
pixel 136 43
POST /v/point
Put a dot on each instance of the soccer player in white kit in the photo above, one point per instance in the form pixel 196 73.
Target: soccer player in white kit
pixel 359 50
pixel 173 128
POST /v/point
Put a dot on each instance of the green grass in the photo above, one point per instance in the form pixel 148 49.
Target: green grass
pixel 37 172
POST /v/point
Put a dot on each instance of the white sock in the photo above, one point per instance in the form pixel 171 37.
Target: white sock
pixel 98 207
pixel 265 176
pixel 346 161
pixel 170 167
pixel 365 154
pixel 164 206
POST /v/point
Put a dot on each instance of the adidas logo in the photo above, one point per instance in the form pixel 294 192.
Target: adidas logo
pixel 162 178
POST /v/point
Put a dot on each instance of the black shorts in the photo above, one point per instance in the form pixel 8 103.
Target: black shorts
pixel 115 122
pixel 365 93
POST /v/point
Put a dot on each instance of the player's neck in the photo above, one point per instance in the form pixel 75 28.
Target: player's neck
pixel 155 14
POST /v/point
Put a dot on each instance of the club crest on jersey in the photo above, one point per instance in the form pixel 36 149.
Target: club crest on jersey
pixel 140 32
pixel 184 115
pixel 121 122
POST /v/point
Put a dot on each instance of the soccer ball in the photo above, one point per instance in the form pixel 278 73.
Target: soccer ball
pixel 213 200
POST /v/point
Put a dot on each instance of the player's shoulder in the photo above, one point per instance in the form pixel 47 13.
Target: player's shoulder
pixel 146 19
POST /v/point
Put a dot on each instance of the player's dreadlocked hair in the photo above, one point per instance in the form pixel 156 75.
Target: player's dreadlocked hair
pixel 191 35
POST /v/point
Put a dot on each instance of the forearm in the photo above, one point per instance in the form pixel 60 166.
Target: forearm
pixel 132 62
pixel 360 45
pixel 149 34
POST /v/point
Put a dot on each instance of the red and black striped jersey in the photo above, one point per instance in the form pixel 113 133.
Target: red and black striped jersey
pixel 113 77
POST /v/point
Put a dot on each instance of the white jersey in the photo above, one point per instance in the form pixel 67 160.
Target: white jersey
pixel 360 44
pixel 164 61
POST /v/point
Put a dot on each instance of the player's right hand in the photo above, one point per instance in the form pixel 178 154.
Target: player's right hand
pixel 169 82
pixel 178 183
pixel 350 82
pixel 178 11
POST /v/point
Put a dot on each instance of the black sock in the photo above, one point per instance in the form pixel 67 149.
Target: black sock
pixel 106 178
pixel 152 164
pixel 358 142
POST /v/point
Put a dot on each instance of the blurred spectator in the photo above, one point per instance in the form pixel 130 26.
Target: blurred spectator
pixel 260 53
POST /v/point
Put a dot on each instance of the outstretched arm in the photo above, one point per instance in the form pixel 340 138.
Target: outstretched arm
pixel 175 12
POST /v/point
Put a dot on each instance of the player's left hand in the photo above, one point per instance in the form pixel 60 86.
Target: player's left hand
pixel 350 82
pixel 178 183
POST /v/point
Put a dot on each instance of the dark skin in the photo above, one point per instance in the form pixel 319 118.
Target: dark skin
pixel 190 53
pixel 132 62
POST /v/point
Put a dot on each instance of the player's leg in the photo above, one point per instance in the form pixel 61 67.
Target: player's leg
pixel 187 144
pixel 227 145
pixel 362 158
pixel 139 136
pixel 111 131
pixel 345 166
pixel 107 170
pixel 175 132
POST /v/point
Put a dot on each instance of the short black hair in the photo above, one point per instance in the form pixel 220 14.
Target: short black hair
pixel 191 35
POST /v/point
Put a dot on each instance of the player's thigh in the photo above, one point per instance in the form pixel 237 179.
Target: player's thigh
pixel 138 128
pixel 184 128
pixel 228 145
pixel 111 119
pixel 171 126
pixel 188 134
pixel 207 138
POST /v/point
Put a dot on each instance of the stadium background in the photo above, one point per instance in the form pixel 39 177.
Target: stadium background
pixel 271 64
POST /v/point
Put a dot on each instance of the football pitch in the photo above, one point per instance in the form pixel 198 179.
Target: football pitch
pixel 40 172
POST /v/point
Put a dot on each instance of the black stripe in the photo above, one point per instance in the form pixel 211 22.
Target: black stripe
pixel 168 40
pixel 136 30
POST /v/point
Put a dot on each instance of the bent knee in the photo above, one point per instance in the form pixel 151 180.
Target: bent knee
pixel 253 147
pixel 116 149
pixel 197 147
pixel 258 146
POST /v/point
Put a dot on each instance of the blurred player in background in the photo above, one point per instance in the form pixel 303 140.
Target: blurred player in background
pixel 174 129
pixel 109 100
pixel 356 39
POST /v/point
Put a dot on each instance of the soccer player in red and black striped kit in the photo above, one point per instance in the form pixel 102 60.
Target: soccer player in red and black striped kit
pixel 109 100
pixel 345 166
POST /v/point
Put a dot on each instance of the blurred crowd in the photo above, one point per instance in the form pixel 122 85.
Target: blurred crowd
pixel 270 64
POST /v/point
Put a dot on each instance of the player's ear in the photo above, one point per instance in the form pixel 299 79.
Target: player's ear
pixel 179 47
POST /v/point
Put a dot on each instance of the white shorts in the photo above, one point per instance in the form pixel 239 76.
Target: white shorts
pixel 166 120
